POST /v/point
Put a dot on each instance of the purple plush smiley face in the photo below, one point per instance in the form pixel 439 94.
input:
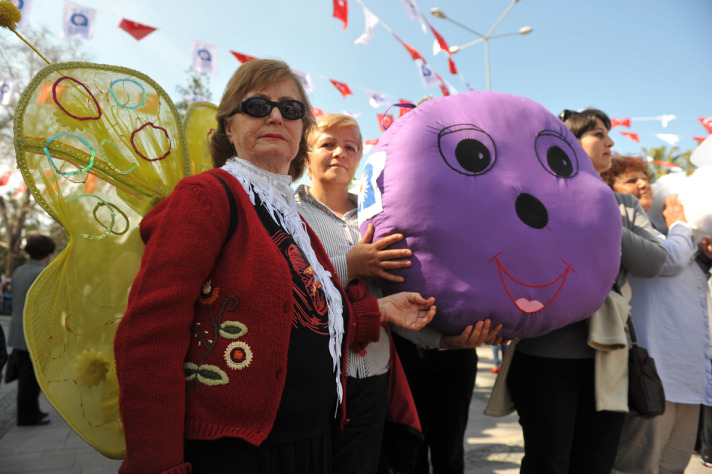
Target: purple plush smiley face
pixel 504 213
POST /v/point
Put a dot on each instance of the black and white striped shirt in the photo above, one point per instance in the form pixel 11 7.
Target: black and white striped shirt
pixel 338 235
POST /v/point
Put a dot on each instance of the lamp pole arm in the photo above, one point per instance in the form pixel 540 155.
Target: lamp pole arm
pixel 496 24
pixel 464 27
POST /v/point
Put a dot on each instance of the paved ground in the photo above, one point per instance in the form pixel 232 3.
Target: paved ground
pixel 493 445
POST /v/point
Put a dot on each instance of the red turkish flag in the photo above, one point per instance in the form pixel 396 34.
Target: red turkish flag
pixel 632 135
pixel 444 46
pixel 699 139
pixel 623 122
pixel 404 110
pixel 413 52
pixel 341 11
pixel 453 69
pixel 5 177
pixel 137 30
pixel 443 86
pixel 385 121
pixel 243 58
pixel 343 88
pixel 707 123
pixel 317 112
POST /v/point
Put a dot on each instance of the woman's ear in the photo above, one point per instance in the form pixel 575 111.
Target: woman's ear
pixel 228 131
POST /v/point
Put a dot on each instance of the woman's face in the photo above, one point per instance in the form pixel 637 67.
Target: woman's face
pixel 334 157
pixel 598 144
pixel 637 184
pixel 269 142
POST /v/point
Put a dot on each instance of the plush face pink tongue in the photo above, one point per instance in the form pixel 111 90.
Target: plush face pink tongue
pixel 528 306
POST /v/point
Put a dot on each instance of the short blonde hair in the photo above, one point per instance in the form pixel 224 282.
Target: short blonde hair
pixel 257 74
pixel 331 121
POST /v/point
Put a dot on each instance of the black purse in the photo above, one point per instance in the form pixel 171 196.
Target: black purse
pixel 11 370
pixel 646 396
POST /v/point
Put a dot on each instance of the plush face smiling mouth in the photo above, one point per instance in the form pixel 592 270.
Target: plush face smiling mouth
pixel 531 306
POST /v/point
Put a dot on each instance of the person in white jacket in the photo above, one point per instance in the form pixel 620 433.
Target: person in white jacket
pixel 670 316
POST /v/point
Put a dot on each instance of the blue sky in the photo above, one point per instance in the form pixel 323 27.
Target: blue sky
pixel 631 58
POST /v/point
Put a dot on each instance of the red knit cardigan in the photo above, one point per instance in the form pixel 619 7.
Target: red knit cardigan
pixel 201 352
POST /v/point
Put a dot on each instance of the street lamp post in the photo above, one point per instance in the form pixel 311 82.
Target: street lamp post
pixel 525 30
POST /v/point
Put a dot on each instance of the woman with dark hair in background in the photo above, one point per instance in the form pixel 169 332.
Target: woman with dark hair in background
pixel 552 377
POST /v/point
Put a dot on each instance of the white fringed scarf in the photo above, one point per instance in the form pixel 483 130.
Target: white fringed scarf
pixel 278 198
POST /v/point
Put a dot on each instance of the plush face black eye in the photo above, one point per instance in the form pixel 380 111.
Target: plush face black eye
pixel 556 155
pixel 467 149
pixel 559 162
pixel 472 155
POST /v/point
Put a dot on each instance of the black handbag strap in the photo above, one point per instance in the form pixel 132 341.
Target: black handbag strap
pixel 233 207
pixel 631 332
pixel 629 322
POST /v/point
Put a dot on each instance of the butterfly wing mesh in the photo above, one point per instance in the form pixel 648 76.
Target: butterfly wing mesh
pixel 199 124
pixel 98 147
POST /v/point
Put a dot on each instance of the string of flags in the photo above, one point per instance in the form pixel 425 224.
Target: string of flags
pixel 430 78
pixel 79 22
pixel 669 138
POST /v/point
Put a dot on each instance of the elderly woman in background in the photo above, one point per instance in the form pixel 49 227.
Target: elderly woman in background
pixel 630 175
pixel 229 356
pixel 335 149
pixel 670 316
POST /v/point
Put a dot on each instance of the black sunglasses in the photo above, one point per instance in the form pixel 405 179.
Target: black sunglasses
pixel 566 114
pixel 290 109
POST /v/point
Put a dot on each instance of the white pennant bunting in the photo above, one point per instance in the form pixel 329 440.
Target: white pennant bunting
pixel 7 90
pixel 665 119
pixel 306 79
pixel 352 113
pixel 377 99
pixel 414 13
pixel 426 74
pixel 668 138
pixel 78 21
pixel 371 21
pixel 205 57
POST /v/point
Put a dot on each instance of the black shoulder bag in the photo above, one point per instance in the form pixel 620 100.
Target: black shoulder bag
pixel 646 396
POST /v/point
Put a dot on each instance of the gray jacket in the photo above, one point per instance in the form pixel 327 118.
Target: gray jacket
pixel 22 279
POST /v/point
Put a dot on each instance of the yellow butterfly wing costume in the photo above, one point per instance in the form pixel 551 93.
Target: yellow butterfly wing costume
pixel 98 146
pixel 199 124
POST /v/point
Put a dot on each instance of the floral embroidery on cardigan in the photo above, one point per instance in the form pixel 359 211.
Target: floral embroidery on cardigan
pixel 238 355
pixel 208 295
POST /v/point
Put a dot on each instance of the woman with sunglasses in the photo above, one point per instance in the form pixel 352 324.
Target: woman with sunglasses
pixel 230 354
pixel 552 378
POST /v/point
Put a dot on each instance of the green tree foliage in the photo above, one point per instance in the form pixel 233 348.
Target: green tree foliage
pixel 197 88
pixel 658 156
pixel 18 213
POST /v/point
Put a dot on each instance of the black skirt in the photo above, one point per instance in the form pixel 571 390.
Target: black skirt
pixel 232 455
